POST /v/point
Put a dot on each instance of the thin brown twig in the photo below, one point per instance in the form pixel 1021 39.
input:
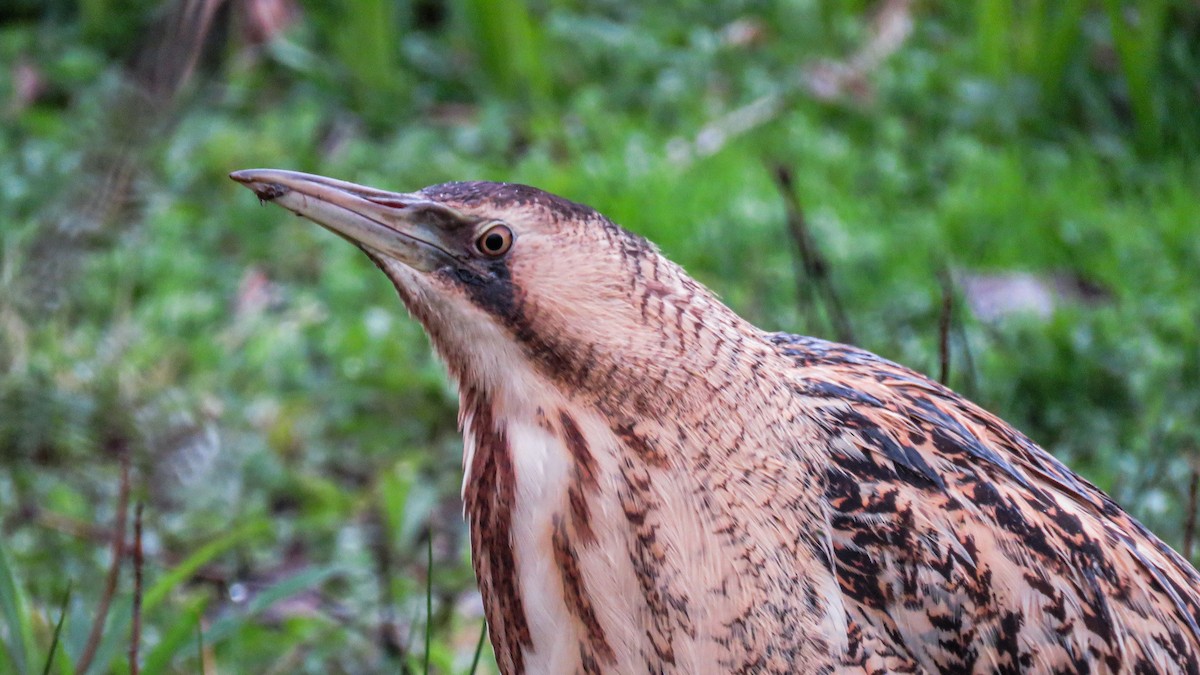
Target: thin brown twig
pixel 971 383
pixel 114 571
pixel 814 267
pixel 944 328
pixel 72 527
pixel 1189 527
pixel 384 572
pixel 797 225
pixel 888 30
pixel 135 630
pixel 823 80
pixel 208 661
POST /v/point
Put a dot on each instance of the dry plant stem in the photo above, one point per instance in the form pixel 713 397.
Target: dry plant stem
pixel 1189 527
pixel 208 660
pixel 796 228
pixel 428 595
pixel 114 570
pixel 824 80
pixel 384 573
pixel 814 267
pixel 805 296
pixel 972 379
pixel 944 329
pixel 73 527
pixel 135 631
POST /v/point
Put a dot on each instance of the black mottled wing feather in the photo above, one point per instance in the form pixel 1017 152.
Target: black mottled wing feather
pixel 962 546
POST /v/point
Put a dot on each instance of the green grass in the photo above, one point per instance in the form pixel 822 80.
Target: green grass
pixel 290 432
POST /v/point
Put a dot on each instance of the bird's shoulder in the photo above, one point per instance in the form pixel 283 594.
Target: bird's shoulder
pixel 914 419
pixel 958 542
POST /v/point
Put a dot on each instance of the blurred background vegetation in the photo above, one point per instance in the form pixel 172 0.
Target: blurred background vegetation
pixel 1009 183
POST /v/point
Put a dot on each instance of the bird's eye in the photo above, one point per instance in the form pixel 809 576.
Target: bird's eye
pixel 495 241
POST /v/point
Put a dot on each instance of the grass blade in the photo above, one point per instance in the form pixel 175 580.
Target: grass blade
pixel 993 23
pixel 186 569
pixel 62 614
pixel 310 578
pixel 181 573
pixel 18 643
pixel 428 597
pixel 479 647
pixel 509 45
pixel 177 636
pixel 366 45
pixel 1138 44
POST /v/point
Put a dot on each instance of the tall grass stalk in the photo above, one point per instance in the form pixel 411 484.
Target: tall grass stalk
pixel 366 42
pixel 62 614
pixel 1138 30
pixel 18 644
pixel 509 47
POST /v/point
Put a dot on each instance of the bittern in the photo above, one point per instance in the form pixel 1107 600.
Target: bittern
pixel 653 484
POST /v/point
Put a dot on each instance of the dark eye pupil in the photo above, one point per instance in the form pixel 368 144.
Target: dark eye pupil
pixel 493 242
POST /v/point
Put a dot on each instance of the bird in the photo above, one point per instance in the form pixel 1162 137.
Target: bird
pixel 654 484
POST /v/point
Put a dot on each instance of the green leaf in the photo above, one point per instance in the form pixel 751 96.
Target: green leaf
pixel 1138 42
pixel 509 46
pixel 178 637
pixel 186 569
pixel 301 581
pixel 116 632
pixel 62 615
pixel 18 642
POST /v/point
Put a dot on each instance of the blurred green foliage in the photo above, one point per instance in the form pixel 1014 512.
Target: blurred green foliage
pixel 289 431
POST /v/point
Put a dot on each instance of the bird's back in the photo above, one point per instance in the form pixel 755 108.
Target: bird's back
pixel 961 546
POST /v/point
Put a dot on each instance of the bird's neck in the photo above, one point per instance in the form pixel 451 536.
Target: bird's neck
pixel 651 453
pixel 668 349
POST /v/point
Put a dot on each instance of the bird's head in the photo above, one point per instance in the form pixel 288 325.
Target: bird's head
pixel 508 279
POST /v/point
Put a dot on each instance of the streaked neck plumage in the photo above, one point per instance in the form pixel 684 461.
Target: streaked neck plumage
pixel 609 475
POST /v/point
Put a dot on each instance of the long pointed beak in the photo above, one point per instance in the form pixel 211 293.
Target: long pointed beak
pixel 408 227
